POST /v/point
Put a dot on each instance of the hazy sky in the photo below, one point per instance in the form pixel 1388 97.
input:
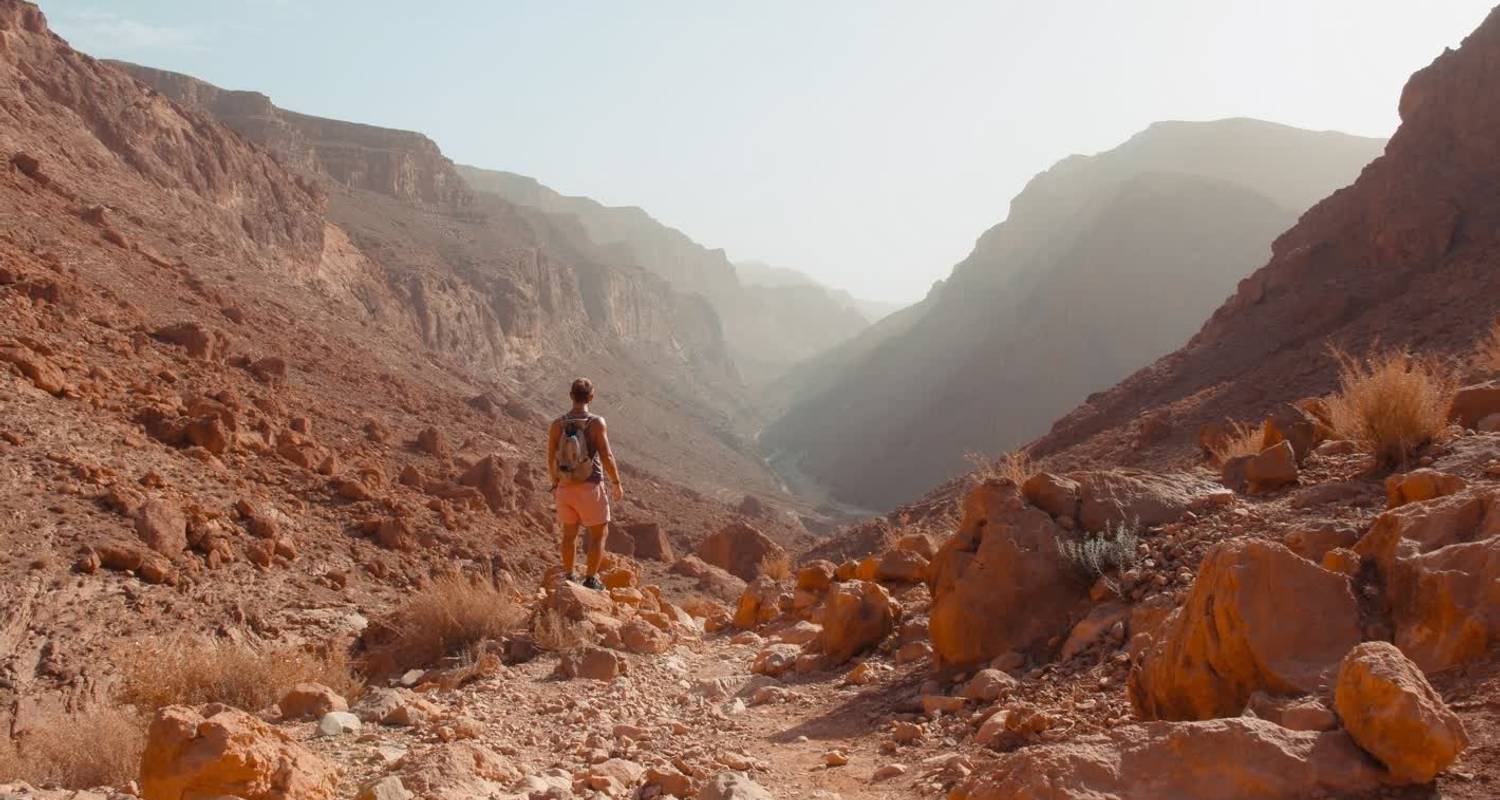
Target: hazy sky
pixel 866 143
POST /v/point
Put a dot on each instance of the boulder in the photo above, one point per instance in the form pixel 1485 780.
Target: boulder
pixel 41 372
pixel 1316 540
pixel 1241 758
pixel 1093 628
pixel 816 576
pixel 1290 424
pixel 776 659
pixel 1445 604
pixel 577 603
pixel 199 340
pixel 745 552
pixel 648 541
pixel 1129 497
pixel 1392 712
pixel 220 751
pixel 759 603
pixel 310 701
pixel 640 636
pixel 1421 484
pixel 1053 494
pixel 1273 468
pixel 1296 713
pixel 489 476
pixel 999 584
pixel 710 578
pixel 389 787
pixel 858 615
pixel 162 526
pixel 901 566
pixel 732 786
pixel 1473 403
pixel 988 685
pixel 919 543
pixel 457 769
pixel 431 441
pixel 1429 525
pixel 593 663
pixel 1258 617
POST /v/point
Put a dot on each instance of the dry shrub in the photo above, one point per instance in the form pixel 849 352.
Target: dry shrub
pixel 182 671
pixel 448 616
pixel 98 747
pixel 1014 466
pixel 551 630
pixel 1100 556
pixel 1390 403
pixel 1242 439
pixel 1486 356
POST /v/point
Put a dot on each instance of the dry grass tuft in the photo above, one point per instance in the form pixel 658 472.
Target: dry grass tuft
pixel 1242 439
pixel 183 671
pixel 98 747
pixel 554 632
pixel 1486 356
pixel 1014 466
pixel 1391 403
pixel 445 618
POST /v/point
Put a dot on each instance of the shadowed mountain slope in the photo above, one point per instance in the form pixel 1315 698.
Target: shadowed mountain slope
pixel 1104 263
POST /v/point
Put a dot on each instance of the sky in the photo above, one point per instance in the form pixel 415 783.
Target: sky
pixel 867 143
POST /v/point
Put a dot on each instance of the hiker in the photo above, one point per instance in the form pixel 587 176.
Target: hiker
pixel 578 458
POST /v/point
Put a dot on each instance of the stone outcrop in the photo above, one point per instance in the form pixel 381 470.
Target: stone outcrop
pixel 1259 617
pixel 857 616
pixel 745 552
pixel 1389 708
pixel 999 584
pixel 220 751
pixel 1245 759
pixel 1440 561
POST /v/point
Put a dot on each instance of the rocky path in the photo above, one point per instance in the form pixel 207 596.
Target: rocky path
pixel 696 709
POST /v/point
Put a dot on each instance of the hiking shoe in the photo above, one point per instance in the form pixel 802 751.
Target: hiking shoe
pixel 570 577
pixel 592 582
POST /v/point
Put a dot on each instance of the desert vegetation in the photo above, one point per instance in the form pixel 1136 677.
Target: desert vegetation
pixel 1015 466
pixel 446 618
pixel 1391 402
pixel 180 670
pixel 1486 358
pixel 1242 439
pixel 1103 555
pixel 100 746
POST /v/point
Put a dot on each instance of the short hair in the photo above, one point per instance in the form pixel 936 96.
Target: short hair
pixel 582 390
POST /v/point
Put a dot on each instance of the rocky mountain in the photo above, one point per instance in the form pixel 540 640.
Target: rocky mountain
pixel 1403 257
pixel 759 273
pixel 767 328
pixel 520 298
pixel 1104 263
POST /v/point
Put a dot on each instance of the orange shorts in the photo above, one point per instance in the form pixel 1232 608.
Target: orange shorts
pixel 584 504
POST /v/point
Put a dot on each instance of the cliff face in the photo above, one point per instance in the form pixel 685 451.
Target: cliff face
pixel 1105 263
pixel 1404 256
pixel 767 328
pixel 509 294
pixel 401 164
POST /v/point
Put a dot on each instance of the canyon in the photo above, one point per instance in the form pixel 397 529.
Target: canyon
pixel 1105 263
pixel 272 396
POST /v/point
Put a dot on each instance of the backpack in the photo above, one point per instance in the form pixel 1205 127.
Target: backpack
pixel 575 453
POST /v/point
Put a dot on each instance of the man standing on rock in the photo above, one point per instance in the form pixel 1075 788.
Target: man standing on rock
pixel 578 457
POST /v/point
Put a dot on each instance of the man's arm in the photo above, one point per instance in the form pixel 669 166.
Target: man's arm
pixel 607 456
pixel 554 435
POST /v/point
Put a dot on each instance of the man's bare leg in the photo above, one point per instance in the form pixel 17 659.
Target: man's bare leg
pixel 595 548
pixel 569 546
